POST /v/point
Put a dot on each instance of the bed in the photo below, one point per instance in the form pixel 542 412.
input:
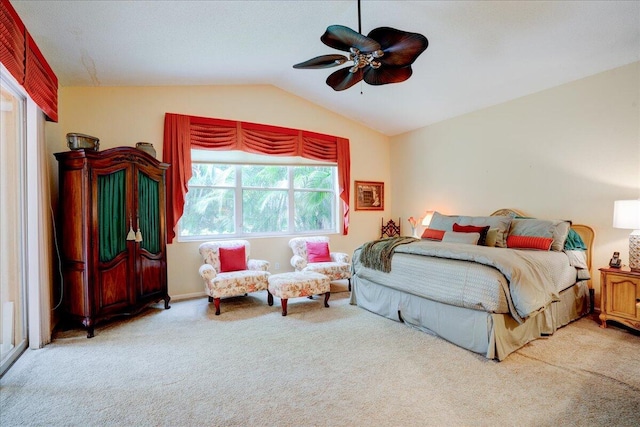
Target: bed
pixel 477 281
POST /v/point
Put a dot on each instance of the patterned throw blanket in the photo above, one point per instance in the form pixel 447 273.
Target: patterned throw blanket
pixel 377 253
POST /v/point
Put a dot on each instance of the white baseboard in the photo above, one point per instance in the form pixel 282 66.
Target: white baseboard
pixel 188 296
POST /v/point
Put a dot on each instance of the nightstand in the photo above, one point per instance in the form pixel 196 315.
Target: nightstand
pixel 620 297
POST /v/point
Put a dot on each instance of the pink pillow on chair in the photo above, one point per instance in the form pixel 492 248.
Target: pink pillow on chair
pixel 318 252
pixel 232 259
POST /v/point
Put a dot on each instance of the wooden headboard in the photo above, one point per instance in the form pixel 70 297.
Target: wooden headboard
pixel 587 233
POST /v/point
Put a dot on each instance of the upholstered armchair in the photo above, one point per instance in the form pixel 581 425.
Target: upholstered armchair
pixel 312 254
pixel 228 271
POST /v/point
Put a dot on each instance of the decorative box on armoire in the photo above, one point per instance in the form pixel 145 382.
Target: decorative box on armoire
pixel 112 233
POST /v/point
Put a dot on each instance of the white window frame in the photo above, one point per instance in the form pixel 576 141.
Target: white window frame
pixel 245 159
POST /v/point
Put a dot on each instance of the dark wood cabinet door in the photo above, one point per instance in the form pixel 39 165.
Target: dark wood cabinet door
pixel 112 253
pixel 150 251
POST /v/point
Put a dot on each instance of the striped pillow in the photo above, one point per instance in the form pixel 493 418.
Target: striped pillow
pixel 529 242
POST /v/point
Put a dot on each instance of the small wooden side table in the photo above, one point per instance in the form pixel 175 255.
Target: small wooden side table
pixel 620 296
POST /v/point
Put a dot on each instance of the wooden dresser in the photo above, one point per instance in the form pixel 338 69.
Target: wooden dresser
pixel 111 232
pixel 620 297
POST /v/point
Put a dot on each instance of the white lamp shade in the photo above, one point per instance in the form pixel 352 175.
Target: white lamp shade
pixel 626 214
pixel 427 218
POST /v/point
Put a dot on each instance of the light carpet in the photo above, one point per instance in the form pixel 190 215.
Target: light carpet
pixel 337 366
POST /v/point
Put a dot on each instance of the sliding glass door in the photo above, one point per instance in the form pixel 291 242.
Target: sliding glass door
pixel 13 272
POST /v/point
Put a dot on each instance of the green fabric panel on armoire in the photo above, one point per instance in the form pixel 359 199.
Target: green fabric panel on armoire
pixel 149 211
pixel 112 222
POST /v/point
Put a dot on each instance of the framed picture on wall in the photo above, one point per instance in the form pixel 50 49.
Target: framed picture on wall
pixel 369 196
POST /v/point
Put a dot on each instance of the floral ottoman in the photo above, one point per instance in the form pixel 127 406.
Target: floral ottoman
pixel 297 284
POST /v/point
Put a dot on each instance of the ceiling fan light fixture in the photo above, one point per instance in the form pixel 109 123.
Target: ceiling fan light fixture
pixel 383 56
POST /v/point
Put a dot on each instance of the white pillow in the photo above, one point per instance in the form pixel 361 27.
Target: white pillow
pixel 458 237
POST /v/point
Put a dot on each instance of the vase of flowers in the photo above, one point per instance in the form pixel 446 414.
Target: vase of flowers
pixel 413 223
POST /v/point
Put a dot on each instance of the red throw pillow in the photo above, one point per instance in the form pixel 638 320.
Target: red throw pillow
pixel 473 229
pixel 318 252
pixel 529 242
pixel 432 234
pixel 232 259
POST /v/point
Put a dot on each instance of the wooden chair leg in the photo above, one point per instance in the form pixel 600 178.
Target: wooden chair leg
pixel 349 284
pixel 326 298
pixel 283 301
pixel 216 303
pixel 269 298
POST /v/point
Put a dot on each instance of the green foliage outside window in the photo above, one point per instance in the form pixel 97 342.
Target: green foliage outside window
pixel 228 200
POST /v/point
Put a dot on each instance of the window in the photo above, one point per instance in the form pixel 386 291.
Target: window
pixel 233 200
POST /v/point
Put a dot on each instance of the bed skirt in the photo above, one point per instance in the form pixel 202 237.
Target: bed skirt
pixel 493 335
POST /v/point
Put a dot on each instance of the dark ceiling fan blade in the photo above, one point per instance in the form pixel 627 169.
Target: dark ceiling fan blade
pixel 385 75
pixel 400 48
pixel 323 61
pixel 344 38
pixel 344 79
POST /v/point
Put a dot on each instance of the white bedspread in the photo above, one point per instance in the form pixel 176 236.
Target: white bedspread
pixel 496 280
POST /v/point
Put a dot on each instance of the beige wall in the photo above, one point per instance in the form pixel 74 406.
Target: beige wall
pixel 566 152
pixel 125 115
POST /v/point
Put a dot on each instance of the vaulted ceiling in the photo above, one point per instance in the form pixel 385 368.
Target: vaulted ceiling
pixel 480 53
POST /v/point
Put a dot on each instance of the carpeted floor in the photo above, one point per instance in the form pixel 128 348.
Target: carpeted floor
pixel 337 366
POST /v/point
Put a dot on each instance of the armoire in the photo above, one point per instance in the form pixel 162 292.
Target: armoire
pixel 111 233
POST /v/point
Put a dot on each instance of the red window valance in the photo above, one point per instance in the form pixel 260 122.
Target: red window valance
pixel 40 82
pixel 21 56
pixel 182 133
pixel 12 41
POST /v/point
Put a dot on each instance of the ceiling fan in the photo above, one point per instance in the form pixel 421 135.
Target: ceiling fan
pixel 383 56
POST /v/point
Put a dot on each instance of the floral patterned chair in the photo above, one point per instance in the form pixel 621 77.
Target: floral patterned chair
pixel 228 271
pixel 312 254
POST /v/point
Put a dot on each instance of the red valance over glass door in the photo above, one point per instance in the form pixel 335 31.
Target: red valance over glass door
pixel 182 133
pixel 22 58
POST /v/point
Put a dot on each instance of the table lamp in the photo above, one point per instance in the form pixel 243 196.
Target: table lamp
pixel 427 219
pixel 626 214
